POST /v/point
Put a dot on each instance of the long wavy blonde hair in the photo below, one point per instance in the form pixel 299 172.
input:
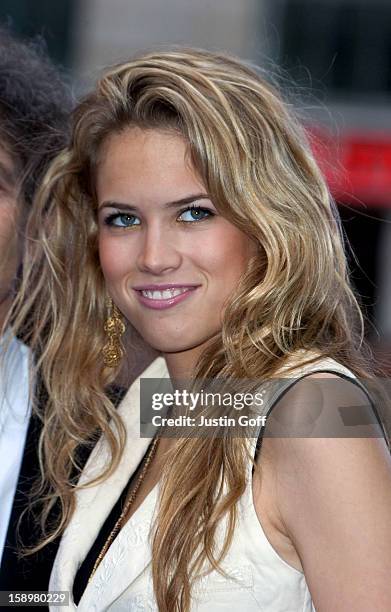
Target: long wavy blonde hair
pixel 254 159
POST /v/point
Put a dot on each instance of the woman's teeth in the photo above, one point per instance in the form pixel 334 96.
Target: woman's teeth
pixel 166 294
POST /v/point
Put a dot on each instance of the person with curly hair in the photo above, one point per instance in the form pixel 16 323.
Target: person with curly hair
pixel 189 206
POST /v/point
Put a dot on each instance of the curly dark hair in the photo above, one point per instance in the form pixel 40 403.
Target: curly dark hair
pixel 34 107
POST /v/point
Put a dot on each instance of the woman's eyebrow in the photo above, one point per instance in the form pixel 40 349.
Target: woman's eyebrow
pixel 173 204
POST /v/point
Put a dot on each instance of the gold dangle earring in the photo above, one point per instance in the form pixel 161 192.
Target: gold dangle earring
pixel 114 328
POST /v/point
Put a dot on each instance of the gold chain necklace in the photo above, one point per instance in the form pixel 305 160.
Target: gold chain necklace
pixel 126 508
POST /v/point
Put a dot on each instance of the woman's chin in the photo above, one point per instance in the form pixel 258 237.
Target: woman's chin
pixel 168 348
pixel 166 345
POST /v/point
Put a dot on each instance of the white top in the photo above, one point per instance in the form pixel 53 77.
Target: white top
pixel 260 580
pixel 14 419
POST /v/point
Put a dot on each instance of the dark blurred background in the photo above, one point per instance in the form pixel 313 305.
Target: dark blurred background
pixel 338 54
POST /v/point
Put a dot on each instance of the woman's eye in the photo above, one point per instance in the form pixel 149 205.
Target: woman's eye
pixel 195 213
pixel 122 220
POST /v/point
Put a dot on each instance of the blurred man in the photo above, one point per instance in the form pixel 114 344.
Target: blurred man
pixel 34 107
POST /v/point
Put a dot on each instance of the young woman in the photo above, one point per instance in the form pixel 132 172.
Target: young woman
pixel 189 207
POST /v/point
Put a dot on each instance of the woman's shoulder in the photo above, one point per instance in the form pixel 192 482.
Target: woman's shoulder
pixel 318 396
pixel 331 503
pixel 324 479
pixel 306 361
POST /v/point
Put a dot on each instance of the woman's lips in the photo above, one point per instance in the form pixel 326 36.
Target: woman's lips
pixel 163 298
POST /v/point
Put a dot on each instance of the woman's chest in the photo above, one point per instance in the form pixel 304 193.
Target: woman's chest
pixel 251 578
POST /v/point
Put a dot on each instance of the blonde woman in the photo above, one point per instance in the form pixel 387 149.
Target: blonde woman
pixel 189 207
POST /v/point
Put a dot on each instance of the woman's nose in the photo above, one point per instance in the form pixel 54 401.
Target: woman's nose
pixel 158 252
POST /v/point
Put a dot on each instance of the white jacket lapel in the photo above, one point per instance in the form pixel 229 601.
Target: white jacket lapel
pixel 94 503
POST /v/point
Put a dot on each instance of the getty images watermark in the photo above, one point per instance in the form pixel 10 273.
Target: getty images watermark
pixel 286 407
pixel 194 401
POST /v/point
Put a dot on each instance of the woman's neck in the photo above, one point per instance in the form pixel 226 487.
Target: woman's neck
pixel 181 365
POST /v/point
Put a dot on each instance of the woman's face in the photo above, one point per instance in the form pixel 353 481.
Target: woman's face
pixel 170 260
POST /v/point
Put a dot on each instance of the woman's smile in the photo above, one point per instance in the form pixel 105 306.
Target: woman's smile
pixel 160 297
